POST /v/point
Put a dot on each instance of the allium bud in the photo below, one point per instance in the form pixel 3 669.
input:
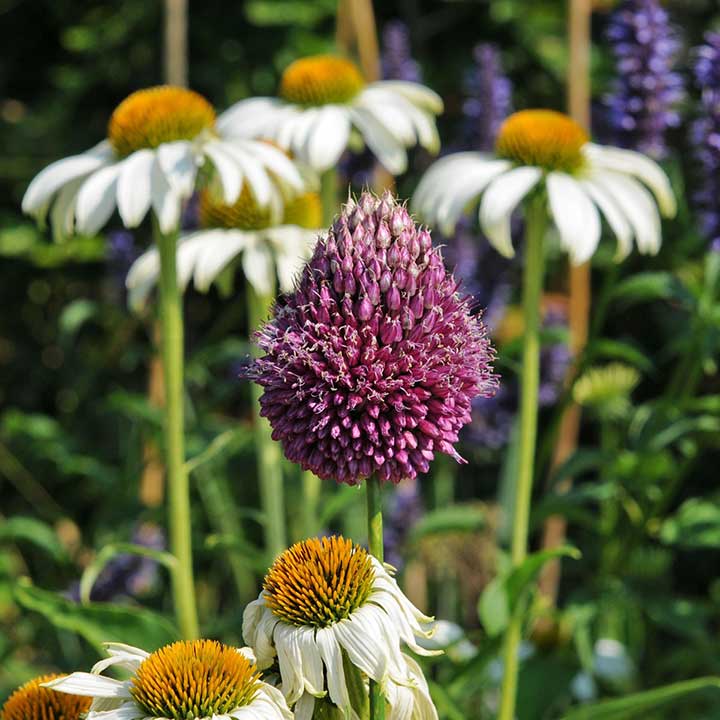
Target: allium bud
pixel 355 387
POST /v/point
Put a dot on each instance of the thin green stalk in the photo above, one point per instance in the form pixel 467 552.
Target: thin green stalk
pixel 269 456
pixel 174 426
pixel 377 548
pixel 536 218
pixel 311 488
pixel 329 195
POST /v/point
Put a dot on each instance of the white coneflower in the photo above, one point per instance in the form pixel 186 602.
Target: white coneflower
pixel 543 147
pixel 325 600
pixel 157 140
pixel 324 100
pixel 269 245
pixel 188 680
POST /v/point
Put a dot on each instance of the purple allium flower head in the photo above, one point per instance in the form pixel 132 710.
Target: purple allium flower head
pixel 643 102
pixel 705 135
pixel 397 62
pixel 489 98
pixel 371 364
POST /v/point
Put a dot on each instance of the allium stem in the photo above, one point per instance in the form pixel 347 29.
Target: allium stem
pixel 536 220
pixel 177 476
pixel 329 195
pixel 376 548
pixel 311 489
pixel 269 454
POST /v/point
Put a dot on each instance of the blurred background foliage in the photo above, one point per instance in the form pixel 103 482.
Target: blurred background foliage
pixel 642 606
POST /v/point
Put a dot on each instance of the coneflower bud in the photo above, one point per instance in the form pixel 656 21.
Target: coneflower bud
pixel 372 372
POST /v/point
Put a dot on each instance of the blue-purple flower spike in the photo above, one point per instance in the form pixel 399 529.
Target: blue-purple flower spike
pixel 371 365
pixel 489 98
pixel 643 103
pixel 705 134
pixel 397 62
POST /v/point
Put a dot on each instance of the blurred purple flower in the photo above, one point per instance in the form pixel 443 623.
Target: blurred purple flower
pixel 643 102
pixel 489 99
pixel 405 508
pixel 705 136
pixel 127 575
pixel 371 365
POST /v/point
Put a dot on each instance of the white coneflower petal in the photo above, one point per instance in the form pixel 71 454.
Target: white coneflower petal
pixel 498 202
pixel 134 187
pixel 613 214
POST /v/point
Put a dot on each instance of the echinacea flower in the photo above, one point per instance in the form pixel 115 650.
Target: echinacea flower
pixel 325 99
pixel 33 701
pixel 371 364
pixel 324 600
pixel 187 680
pixel 157 141
pixel 271 241
pixel 549 150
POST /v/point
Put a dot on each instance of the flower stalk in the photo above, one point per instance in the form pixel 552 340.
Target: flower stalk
pixel 177 476
pixel 268 452
pixel 536 220
pixel 376 547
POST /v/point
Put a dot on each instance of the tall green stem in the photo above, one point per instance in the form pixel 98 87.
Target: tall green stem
pixel 329 195
pixel 377 548
pixel 177 477
pixel 269 456
pixel 536 218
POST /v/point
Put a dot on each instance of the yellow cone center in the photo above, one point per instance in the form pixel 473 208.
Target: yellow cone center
pixel 543 138
pixel 304 210
pixel 157 115
pixel 32 702
pixel 318 582
pixel 321 80
pixel 194 679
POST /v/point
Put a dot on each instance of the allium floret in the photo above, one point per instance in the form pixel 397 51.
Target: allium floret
pixel 372 363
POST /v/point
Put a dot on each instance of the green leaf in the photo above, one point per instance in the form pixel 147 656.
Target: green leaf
pixel 642 287
pixel 225 442
pixel 494 607
pixel 255 557
pixel 522 576
pixel 695 525
pixel 27 529
pixel 93 570
pixel 75 315
pixel 629 706
pixel 618 350
pixel 456 518
pixel 98 622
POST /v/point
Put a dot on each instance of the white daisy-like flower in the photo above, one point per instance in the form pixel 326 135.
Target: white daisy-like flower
pixel 188 680
pixel 324 105
pixel 157 141
pixel 270 245
pixel 549 150
pixel 327 602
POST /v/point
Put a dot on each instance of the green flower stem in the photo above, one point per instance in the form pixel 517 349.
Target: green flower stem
pixel 269 455
pixel 536 219
pixel 329 195
pixel 311 489
pixel 177 476
pixel 377 548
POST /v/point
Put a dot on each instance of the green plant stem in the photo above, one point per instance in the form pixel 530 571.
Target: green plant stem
pixel 177 477
pixel 269 456
pixel 311 489
pixel 329 195
pixel 536 218
pixel 377 548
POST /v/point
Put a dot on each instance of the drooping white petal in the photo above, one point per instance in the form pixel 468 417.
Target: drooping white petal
pixel 389 152
pixel 248 118
pixel 127 656
pixel 62 215
pixel 82 683
pixel 254 172
pixel 96 199
pixel 289 661
pixel 390 114
pixel 228 170
pixel 575 216
pixel 311 662
pixel 305 707
pixel 258 628
pixel 292 246
pixel 361 637
pixel 268 704
pixel 332 657
pixel 126 711
pixel 258 267
pixel 638 165
pixel 636 203
pixel 614 216
pixel 141 278
pixel 419 95
pixel 165 199
pixel 48 181
pixel 178 163
pixel 134 187
pixel 500 199
pixel 276 161
pixel 217 248
pixel 328 138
